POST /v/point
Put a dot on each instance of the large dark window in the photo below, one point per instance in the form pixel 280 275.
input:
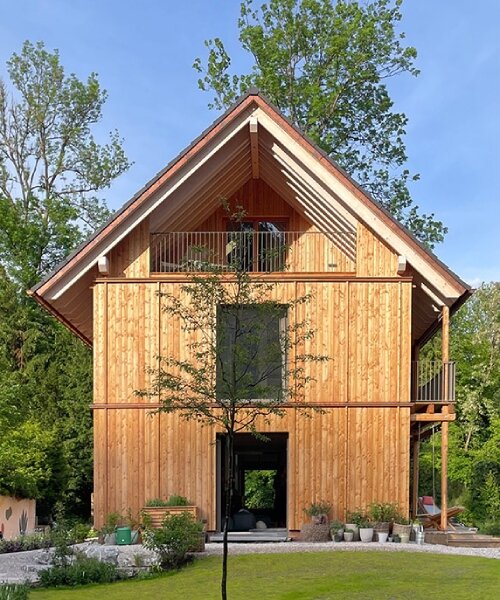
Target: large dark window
pixel 250 351
pixel 257 245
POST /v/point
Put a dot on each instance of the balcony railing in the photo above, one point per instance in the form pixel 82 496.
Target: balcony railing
pixel 255 251
pixel 433 381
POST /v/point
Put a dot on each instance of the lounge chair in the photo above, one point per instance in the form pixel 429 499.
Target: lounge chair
pixel 430 513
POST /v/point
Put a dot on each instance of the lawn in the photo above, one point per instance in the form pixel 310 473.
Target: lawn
pixel 308 576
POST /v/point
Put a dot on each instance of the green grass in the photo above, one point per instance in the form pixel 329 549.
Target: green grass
pixel 307 576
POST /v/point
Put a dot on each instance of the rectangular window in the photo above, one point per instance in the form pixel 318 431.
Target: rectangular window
pixel 251 357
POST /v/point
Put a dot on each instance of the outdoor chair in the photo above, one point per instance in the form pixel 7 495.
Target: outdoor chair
pixel 430 514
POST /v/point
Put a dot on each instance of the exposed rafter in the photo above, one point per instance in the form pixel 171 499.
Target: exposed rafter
pixel 254 146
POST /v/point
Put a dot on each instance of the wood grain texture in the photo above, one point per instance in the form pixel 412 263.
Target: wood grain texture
pixel 374 256
pixel 348 455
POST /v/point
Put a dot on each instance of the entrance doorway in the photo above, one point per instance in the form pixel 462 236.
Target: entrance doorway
pixel 260 482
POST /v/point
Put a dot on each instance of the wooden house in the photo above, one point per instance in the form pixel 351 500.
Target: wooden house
pixel 378 296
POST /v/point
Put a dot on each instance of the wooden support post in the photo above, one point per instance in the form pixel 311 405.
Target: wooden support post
pixel 445 351
pixel 444 475
pixel 445 357
pixel 416 452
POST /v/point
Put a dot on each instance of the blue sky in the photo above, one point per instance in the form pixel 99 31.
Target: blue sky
pixel 143 52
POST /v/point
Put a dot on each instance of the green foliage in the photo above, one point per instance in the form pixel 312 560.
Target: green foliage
pixel 51 167
pixel 318 508
pixel 325 65
pixel 14 591
pixel 474 441
pixel 79 532
pixel 111 523
pixel 307 575
pixel 356 517
pixel 175 500
pixel 26 542
pixel 81 572
pixel 178 535
pixel 384 512
pixel 259 489
pixel 27 459
pixel 52 171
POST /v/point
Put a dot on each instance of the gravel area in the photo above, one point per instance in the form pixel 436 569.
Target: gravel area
pixel 283 547
pixel 18 567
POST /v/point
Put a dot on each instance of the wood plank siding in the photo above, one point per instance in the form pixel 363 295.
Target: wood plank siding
pixel 354 452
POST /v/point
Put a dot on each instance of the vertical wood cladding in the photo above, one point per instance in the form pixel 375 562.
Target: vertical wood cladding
pixel 347 454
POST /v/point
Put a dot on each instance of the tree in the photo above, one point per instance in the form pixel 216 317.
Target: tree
pixel 474 457
pixel 52 172
pixel 51 166
pixel 325 65
pixel 246 353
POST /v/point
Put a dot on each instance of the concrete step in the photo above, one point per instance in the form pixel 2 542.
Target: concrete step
pixel 254 535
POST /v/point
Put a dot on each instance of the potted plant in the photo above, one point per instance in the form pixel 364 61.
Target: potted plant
pixel 337 531
pixel 402 526
pixel 382 515
pixel 156 509
pixel 348 535
pixel 318 512
pixel 365 530
pixel 353 519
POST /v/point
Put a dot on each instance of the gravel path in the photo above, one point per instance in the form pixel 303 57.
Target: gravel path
pixel 24 566
pixel 283 547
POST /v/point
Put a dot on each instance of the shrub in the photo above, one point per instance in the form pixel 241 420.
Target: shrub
pixel 174 539
pixel 356 517
pixel 79 532
pixel 177 501
pixel 83 571
pixel 490 528
pixel 14 591
pixel 318 508
pixel 380 512
pixel 24 543
pixel 173 500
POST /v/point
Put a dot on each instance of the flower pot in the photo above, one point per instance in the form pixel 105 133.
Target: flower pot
pixel 382 536
pixel 405 538
pixel 348 536
pixel 380 527
pixel 355 529
pixel 337 534
pixel 366 534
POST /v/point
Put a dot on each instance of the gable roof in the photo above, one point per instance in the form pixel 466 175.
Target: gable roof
pixel 326 191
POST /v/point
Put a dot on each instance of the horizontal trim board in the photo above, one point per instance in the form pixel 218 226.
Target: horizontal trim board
pixel 156 405
pixel 340 277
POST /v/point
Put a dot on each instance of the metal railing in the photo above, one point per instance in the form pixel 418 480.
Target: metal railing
pixel 433 381
pixel 254 251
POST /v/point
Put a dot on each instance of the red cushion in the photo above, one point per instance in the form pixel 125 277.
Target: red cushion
pixel 427 500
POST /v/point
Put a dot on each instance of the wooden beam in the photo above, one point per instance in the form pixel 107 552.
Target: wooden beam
pixel 416 456
pixel 436 417
pixel 444 476
pixel 254 146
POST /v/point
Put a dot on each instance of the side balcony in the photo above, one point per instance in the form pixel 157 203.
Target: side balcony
pixel 433 390
pixel 255 251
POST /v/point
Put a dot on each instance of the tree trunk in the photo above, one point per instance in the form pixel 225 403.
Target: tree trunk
pixel 228 483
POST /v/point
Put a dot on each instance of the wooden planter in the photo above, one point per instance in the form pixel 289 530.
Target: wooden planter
pixel 156 514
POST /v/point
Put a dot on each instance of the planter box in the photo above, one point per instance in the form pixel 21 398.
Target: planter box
pixel 157 514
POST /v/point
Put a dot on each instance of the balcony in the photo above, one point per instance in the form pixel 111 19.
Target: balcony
pixel 433 382
pixel 254 251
